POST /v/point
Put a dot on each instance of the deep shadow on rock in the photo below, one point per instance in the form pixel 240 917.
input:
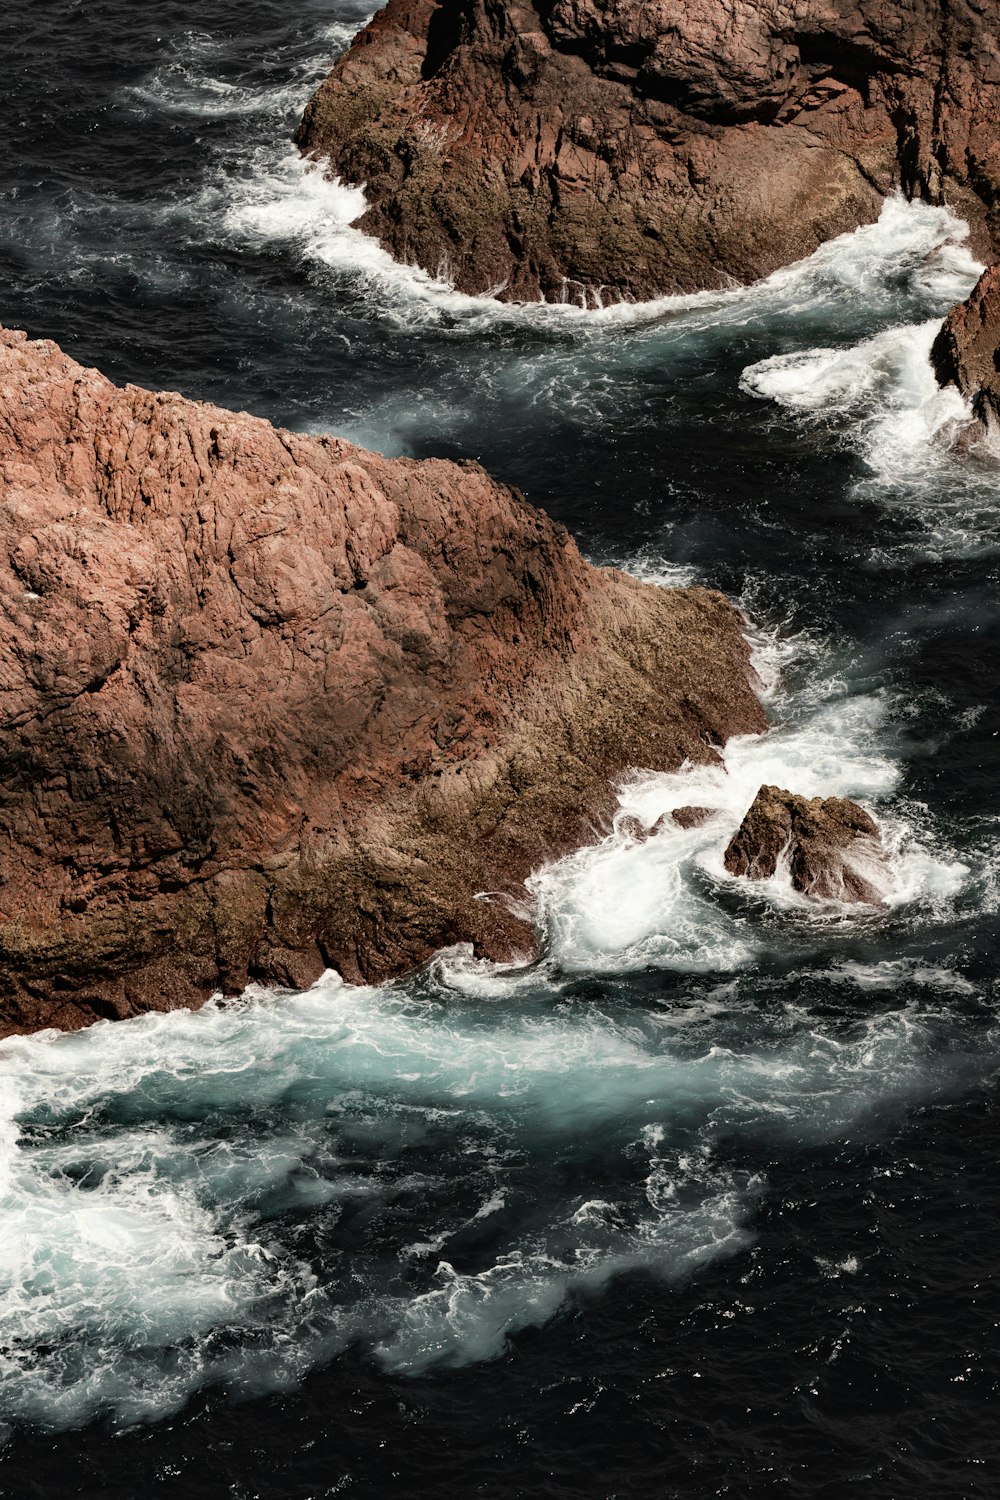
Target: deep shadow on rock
pixel 833 847
pixel 565 148
pixel 272 703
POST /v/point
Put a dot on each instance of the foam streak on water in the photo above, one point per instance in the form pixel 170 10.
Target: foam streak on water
pixel 584 361
pixel 921 444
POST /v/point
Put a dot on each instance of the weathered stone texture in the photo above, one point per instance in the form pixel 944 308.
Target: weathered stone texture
pixel 270 702
pixel 611 149
pixel 833 848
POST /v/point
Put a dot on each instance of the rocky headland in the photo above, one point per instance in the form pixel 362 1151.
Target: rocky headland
pixel 273 703
pixel 564 148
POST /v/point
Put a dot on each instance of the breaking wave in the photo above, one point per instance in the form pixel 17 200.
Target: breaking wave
pixel 655 893
pixel 235 1196
pixel 913 250
pixel 921 445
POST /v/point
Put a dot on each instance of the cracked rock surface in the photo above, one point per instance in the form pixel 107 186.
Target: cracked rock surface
pixel 609 149
pixel 271 703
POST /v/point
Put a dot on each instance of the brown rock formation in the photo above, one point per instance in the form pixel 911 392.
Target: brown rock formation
pixel 621 149
pixel 966 353
pixel 691 817
pixel 271 702
pixel 830 843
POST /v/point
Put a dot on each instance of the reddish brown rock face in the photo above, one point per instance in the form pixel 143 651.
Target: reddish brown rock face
pixel 272 703
pixel 830 844
pixel 592 149
pixel 966 353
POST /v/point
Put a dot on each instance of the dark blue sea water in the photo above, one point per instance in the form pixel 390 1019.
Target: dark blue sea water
pixel 704 1203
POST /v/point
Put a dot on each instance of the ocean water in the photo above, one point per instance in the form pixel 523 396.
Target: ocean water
pixel 704 1202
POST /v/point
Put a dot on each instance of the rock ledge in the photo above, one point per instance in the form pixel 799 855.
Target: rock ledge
pixel 272 703
pixel 572 149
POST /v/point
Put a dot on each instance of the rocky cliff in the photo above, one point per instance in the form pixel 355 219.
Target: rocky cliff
pixel 602 149
pixel 272 703
pixel 966 352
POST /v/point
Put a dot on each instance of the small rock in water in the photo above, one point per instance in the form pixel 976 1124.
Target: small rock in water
pixel 690 817
pixel 632 827
pixel 826 840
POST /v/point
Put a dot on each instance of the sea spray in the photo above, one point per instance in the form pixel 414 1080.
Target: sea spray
pixel 236 1196
pixel 656 893
pixel 184 1202
pixel 923 448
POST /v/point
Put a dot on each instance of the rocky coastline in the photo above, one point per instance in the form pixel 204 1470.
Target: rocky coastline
pixel 273 703
pixel 566 150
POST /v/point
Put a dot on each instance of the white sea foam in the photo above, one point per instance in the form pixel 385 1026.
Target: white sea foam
pixel 185 89
pixel 920 442
pixel 653 568
pixel 190 81
pixel 633 901
pixel 295 200
pixel 160 1179
pixel 914 257
pixel 277 196
pixel 905 422
pixel 893 366
pixel 912 246
pixel 156 1173
pixel 471 1316
pixel 888 974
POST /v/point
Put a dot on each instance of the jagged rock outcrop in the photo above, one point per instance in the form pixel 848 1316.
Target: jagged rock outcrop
pixel 271 702
pixel 966 352
pixel 591 149
pixel 832 846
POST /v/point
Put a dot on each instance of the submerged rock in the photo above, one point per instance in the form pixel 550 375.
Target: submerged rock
pixel 966 352
pixel 272 703
pixel 692 817
pixel 832 845
pixel 580 151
